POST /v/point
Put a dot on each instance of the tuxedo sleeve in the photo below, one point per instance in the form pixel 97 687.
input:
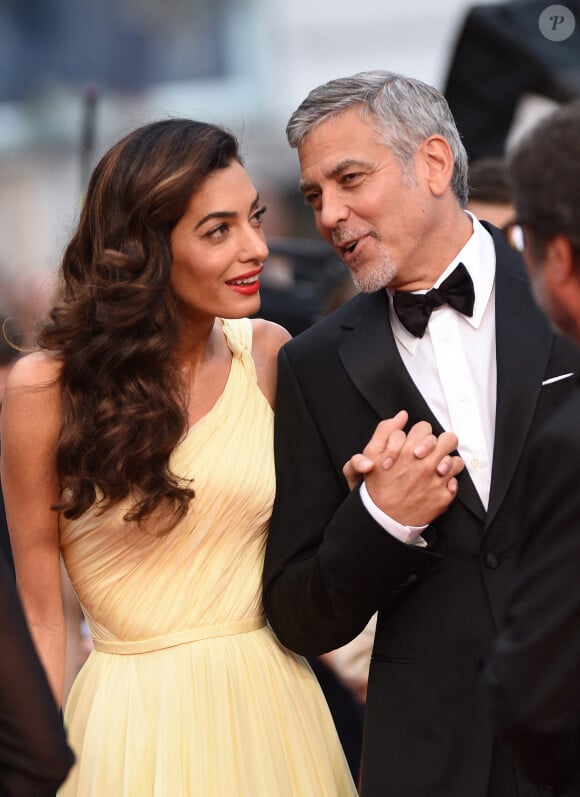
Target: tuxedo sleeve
pixel 34 755
pixel 328 566
pixel 535 667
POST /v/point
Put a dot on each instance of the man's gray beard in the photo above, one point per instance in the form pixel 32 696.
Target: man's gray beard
pixel 375 278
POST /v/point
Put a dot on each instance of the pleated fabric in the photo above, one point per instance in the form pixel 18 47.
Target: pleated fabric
pixel 188 691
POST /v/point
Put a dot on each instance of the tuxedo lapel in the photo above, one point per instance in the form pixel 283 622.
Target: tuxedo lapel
pixel 523 344
pixel 370 357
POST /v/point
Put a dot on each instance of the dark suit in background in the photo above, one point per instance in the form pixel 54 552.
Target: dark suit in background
pixel 535 671
pixel 34 755
pixel 329 565
pixel 5 547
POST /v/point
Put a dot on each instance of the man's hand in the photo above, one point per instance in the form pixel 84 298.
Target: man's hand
pixel 409 477
pixel 360 464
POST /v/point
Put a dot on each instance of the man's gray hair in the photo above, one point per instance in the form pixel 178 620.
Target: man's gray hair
pixel 406 112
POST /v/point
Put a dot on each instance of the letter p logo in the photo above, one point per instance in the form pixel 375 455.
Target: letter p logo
pixel 557 23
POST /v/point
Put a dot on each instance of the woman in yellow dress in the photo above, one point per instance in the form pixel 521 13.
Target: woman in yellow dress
pixel 137 441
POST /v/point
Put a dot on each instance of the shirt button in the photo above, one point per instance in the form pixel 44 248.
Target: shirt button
pixel 491 561
pixel 475 463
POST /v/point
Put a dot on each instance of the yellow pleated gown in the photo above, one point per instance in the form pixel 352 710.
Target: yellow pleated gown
pixel 188 692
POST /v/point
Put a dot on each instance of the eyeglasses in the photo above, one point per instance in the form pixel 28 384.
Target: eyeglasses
pixel 514 235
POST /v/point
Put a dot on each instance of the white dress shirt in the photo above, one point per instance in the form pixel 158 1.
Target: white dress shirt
pixel 454 368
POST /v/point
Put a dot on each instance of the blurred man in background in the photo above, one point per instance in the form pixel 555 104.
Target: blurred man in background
pixel 535 674
pixel 490 193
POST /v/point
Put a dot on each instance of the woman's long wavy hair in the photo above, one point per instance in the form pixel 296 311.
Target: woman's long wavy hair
pixel 115 328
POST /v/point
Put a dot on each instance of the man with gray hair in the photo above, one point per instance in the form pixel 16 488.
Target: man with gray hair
pixel 535 671
pixel 369 513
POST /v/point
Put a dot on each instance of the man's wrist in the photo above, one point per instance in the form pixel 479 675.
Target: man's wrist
pixel 407 534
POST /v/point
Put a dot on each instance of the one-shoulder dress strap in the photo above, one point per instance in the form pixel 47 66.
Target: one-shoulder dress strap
pixel 238 332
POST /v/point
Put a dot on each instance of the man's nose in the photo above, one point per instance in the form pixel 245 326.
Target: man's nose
pixel 333 210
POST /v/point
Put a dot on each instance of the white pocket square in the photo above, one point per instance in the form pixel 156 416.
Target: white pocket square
pixel 556 379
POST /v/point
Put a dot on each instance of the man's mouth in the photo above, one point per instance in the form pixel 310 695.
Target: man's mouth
pixel 347 245
pixel 347 249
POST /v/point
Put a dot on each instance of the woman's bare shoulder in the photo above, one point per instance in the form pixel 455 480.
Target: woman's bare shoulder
pixel 31 404
pixel 35 370
pixel 268 337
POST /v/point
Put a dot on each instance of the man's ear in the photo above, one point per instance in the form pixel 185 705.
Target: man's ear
pixel 562 281
pixel 436 160
pixel 558 260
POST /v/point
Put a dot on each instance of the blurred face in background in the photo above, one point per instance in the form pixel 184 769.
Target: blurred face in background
pixel 555 280
pixel 499 214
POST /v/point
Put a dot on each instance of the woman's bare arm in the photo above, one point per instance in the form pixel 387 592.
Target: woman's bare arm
pixel 30 427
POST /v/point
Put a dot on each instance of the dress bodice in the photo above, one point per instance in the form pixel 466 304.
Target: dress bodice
pixel 134 584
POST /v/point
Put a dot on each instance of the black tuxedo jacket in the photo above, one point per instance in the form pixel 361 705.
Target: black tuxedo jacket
pixel 535 672
pixel 329 566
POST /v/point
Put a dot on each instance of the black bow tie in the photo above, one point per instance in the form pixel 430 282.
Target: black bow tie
pixel 414 309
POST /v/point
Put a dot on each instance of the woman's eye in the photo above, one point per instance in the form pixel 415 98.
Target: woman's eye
pixel 258 216
pixel 217 232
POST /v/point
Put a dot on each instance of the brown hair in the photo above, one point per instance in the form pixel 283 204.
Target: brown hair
pixel 489 181
pixel 545 167
pixel 114 330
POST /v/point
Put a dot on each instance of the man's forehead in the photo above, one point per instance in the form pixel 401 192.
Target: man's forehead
pixel 344 135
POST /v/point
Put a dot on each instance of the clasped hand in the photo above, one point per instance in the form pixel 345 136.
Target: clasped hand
pixel 410 477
